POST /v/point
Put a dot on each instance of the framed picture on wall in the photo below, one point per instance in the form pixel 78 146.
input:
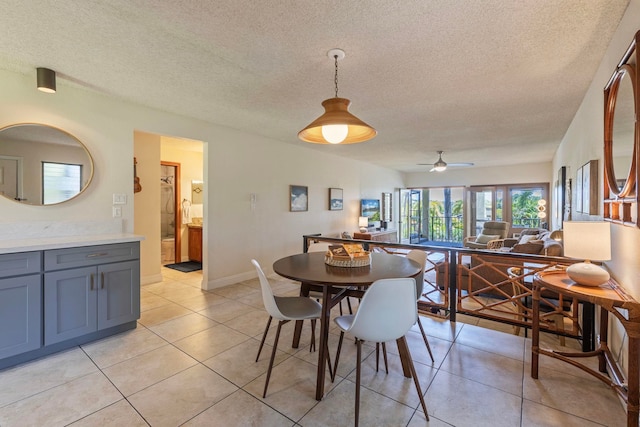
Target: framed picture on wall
pixel 335 199
pixel 590 188
pixel 298 198
pixel 579 190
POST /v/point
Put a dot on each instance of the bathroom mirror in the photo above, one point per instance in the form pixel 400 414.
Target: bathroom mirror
pixel 621 140
pixel 42 165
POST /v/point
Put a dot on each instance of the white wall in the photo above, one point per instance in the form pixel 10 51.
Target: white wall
pixel 584 141
pixel 236 162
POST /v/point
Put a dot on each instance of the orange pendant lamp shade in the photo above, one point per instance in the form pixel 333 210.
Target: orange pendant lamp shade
pixel 337 114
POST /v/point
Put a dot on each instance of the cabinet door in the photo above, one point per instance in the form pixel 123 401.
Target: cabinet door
pixel 20 315
pixel 119 293
pixel 70 303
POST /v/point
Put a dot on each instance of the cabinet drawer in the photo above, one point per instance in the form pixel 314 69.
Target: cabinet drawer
pixel 58 259
pixel 20 264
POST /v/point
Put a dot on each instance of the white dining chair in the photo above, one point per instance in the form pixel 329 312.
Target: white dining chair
pixel 285 309
pixel 421 258
pixel 387 311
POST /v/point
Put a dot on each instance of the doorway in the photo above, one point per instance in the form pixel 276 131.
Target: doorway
pixel 170 236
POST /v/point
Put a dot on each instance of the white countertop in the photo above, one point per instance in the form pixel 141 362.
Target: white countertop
pixel 44 243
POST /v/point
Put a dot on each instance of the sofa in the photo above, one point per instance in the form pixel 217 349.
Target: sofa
pixel 534 241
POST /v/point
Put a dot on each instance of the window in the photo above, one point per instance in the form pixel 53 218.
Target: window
pixel 524 207
pixel 60 181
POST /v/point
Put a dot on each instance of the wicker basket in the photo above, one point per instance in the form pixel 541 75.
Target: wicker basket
pixel 338 261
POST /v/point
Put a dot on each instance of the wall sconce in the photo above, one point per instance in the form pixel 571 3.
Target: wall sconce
pixel 46 80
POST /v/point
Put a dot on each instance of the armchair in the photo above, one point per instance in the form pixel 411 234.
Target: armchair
pixel 492 230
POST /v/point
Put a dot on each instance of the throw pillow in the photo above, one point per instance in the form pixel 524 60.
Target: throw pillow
pixel 531 248
pixel 526 238
pixel 485 238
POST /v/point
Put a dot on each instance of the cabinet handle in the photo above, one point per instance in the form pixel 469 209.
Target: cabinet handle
pixel 102 280
pixel 91 280
pixel 97 255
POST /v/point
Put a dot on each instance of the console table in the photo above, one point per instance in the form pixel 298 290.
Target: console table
pixel 388 236
pixel 612 299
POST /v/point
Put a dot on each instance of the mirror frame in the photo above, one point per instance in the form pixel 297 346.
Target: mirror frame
pixel 619 202
pixel 84 147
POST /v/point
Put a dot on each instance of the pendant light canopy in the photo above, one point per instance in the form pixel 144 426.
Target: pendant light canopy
pixel 337 125
pixel 46 80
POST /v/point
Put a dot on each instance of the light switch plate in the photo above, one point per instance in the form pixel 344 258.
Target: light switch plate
pixel 119 199
pixel 117 211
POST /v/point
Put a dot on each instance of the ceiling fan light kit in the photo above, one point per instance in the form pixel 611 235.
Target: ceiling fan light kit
pixel 337 125
pixel 441 165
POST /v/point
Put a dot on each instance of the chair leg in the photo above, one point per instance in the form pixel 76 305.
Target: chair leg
pixel 559 321
pixel 377 355
pixel 335 366
pixel 312 347
pixel 332 374
pixel 415 376
pixel 273 356
pixel 384 355
pixel 349 305
pixel 263 337
pixel 358 371
pixel 426 341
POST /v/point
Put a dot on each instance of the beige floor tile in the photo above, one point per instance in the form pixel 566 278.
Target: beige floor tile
pixel 141 371
pixel 251 323
pixel 439 328
pixel 536 415
pixel 235 291
pixel 175 329
pixel 419 420
pixel 462 402
pixel 150 300
pixel 119 414
pixel 173 289
pixel 584 397
pixel 292 387
pixel 419 351
pixel 181 397
pixel 63 404
pixel 394 385
pixel 227 311
pixel 493 341
pixel 42 374
pixel 238 364
pixel 206 344
pixel 487 368
pixel 126 345
pixel 338 409
pixel 254 300
pixel 158 315
pixel 200 302
pixel 240 409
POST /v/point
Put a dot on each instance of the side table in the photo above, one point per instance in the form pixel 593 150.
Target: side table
pixel 611 298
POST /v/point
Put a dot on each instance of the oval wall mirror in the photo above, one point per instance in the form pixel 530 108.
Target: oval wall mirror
pixel 42 165
pixel 622 140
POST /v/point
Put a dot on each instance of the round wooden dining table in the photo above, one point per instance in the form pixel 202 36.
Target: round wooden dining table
pixel 336 283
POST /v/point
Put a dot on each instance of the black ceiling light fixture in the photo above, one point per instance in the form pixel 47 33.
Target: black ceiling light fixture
pixel 46 79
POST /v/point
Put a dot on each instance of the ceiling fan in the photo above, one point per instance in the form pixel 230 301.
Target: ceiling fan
pixel 441 165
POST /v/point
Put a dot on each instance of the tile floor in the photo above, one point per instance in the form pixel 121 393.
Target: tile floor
pixel 191 362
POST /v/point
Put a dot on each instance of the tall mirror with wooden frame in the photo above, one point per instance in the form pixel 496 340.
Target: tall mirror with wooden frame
pixel 621 140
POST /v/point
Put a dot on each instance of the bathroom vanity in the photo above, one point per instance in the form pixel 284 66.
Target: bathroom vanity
pixel 61 292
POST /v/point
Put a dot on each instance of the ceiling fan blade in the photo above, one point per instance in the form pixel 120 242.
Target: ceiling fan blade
pixel 424 164
pixel 460 164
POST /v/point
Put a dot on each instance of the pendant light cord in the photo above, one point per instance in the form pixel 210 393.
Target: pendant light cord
pixel 335 57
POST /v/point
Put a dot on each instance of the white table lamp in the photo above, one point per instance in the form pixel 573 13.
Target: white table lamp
pixel 363 223
pixel 589 240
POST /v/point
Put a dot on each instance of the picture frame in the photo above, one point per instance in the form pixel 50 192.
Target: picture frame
pixel 335 199
pixel 298 198
pixel 587 188
pixel 579 190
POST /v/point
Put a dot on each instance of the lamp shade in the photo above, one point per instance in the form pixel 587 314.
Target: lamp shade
pixel 363 223
pixel 589 240
pixel 46 80
pixel 335 117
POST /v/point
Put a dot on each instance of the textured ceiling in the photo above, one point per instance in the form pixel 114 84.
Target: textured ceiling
pixel 489 82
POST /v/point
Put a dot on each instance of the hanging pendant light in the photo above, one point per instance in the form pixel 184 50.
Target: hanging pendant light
pixel 440 165
pixel 337 125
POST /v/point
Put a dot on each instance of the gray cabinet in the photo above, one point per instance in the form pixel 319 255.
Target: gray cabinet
pixel 55 299
pixel 100 292
pixel 20 314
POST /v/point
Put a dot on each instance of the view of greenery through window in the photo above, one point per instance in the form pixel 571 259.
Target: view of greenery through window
pixel 437 215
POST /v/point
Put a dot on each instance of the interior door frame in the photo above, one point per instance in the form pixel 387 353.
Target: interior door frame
pixel 177 211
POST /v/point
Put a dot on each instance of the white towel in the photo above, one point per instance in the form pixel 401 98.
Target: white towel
pixel 186 211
